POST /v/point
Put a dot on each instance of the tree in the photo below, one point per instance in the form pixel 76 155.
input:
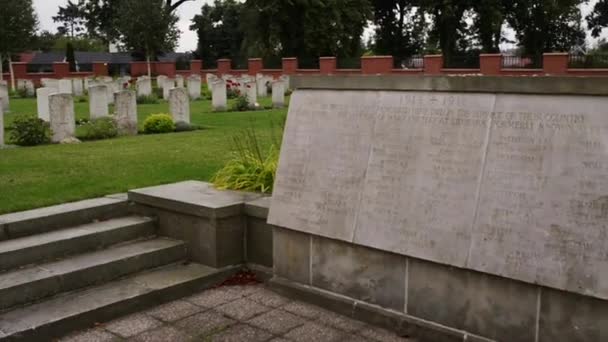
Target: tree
pixel 547 25
pixel 305 28
pixel 18 24
pixel 488 23
pixel 400 28
pixel 147 28
pixel 72 18
pixel 450 29
pixel 70 57
pixel 598 18
pixel 219 33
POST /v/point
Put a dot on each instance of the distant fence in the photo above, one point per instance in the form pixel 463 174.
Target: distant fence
pixel 599 61
pixel 521 62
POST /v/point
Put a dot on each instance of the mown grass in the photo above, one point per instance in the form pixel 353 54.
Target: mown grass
pixel 45 175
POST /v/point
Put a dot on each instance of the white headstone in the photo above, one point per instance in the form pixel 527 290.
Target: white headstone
pixel 219 99
pixel 28 86
pixel 179 81
pixel 210 78
pixel 144 86
pixel 167 86
pixel 251 91
pixel 111 88
pixel 65 86
pixel 278 94
pixel 125 104
pixel 287 80
pixel 42 100
pixel 263 83
pixel 77 86
pixel 98 101
pixel 160 81
pixel 194 87
pixel 179 105
pixel 4 96
pixel 62 118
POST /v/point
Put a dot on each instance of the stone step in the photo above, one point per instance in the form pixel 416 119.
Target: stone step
pixel 59 243
pixel 42 220
pixel 40 281
pixel 60 315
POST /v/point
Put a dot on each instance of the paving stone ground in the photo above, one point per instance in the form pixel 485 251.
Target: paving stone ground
pixel 250 313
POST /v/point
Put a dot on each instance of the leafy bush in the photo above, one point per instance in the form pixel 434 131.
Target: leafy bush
pixel 28 130
pixel 159 123
pixel 241 104
pixel 288 92
pixel 233 93
pixel 150 99
pixel 22 93
pixel 158 92
pixel 249 169
pixel 206 94
pixel 99 128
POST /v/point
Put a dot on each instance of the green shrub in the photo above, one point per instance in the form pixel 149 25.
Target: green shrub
pixel 28 130
pixel 159 123
pixel 288 92
pixel 22 93
pixel 182 126
pixel 100 128
pixel 206 93
pixel 232 93
pixel 147 99
pixel 241 104
pixel 82 99
pixel 249 169
pixel 158 92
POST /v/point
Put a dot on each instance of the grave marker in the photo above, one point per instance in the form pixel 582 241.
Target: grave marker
pixel 179 105
pixel 98 101
pixel 278 94
pixel 42 101
pixel 62 117
pixel 65 86
pixel 125 104
pixel 219 97
pixel 194 87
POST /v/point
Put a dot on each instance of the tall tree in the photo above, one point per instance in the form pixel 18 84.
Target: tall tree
pixel 598 18
pixel 400 28
pixel 219 31
pixel 18 24
pixel 488 23
pixel 72 18
pixel 449 25
pixel 547 25
pixel 305 28
pixel 147 28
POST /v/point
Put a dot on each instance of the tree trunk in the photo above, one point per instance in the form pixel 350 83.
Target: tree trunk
pixel 10 67
pixel 149 67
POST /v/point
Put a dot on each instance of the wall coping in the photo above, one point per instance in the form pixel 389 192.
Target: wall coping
pixel 548 85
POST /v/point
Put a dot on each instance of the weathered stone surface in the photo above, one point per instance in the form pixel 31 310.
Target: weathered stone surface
pixel 259 242
pixel 511 185
pixel 168 84
pixel 144 86
pixel 278 94
pixel 179 105
pixel 62 119
pixel 98 101
pixel 28 86
pixel 4 96
pixel 50 83
pixel 42 101
pixel 65 86
pixel 251 92
pixel 125 104
pixel 160 81
pixel 77 87
pixel 210 78
pixel 179 81
pixel 263 82
pixel 291 252
pixel 194 87
pixel 219 97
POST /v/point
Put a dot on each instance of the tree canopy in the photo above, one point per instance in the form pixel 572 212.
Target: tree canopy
pixel 18 24
pixel 71 16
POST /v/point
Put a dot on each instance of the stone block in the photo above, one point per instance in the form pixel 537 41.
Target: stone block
pixel 194 87
pixel 27 86
pixel 358 272
pixel 179 105
pixel 42 102
pixel 482 304
pixel 78 87
pixel 98 101
pixel 62 118
pixel 259 242
pixel 570 317
pixel 125 107
pixel 65 86
pixel 179 81
pixel 278 94
pixel 291 253
pixel 160 81
pixel 263 82
pixel 168 84
pixel 219 96
pixel 144 86
pixel 251 92
pixel 258 208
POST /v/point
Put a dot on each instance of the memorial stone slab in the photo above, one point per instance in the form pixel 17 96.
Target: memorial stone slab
pixel 144 86
pixel 98 101
pixel 65 86
pixel 62 117
pixel 125 104
pixel 278 94
pixel 179 81
pixel 167 86
pixel 219 97
pixel 263 82
pixel 179 105
pixel 506 184
pixel 42 101
pixel 251 91
pixel 78 87
pixel 4 96
pixel 160 81
pixel 194 87
pixel 210 78
pixel 28 86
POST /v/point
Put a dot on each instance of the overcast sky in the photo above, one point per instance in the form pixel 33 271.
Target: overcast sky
pixel 48 8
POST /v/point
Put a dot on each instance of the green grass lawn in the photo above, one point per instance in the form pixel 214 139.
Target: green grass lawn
pixel 32 177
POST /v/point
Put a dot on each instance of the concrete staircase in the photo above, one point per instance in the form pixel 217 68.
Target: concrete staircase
pixel 67 267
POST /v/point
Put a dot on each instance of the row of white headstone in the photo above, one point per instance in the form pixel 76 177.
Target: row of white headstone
pixel 144 85
pixel 247 86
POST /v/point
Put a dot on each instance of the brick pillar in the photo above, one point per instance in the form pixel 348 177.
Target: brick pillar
pixel 164 68
pixel 196 65
pixel 290 65
pixel 20 70
pixel 433 64
pixel 490 63
pixel 328 65
pixel 555 63
pixel 61 69
pixel 224 66
pixel 100 68
pixel 371 65
pixel 254 66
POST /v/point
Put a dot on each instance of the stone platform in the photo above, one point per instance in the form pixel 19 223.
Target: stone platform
pixel 249 313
